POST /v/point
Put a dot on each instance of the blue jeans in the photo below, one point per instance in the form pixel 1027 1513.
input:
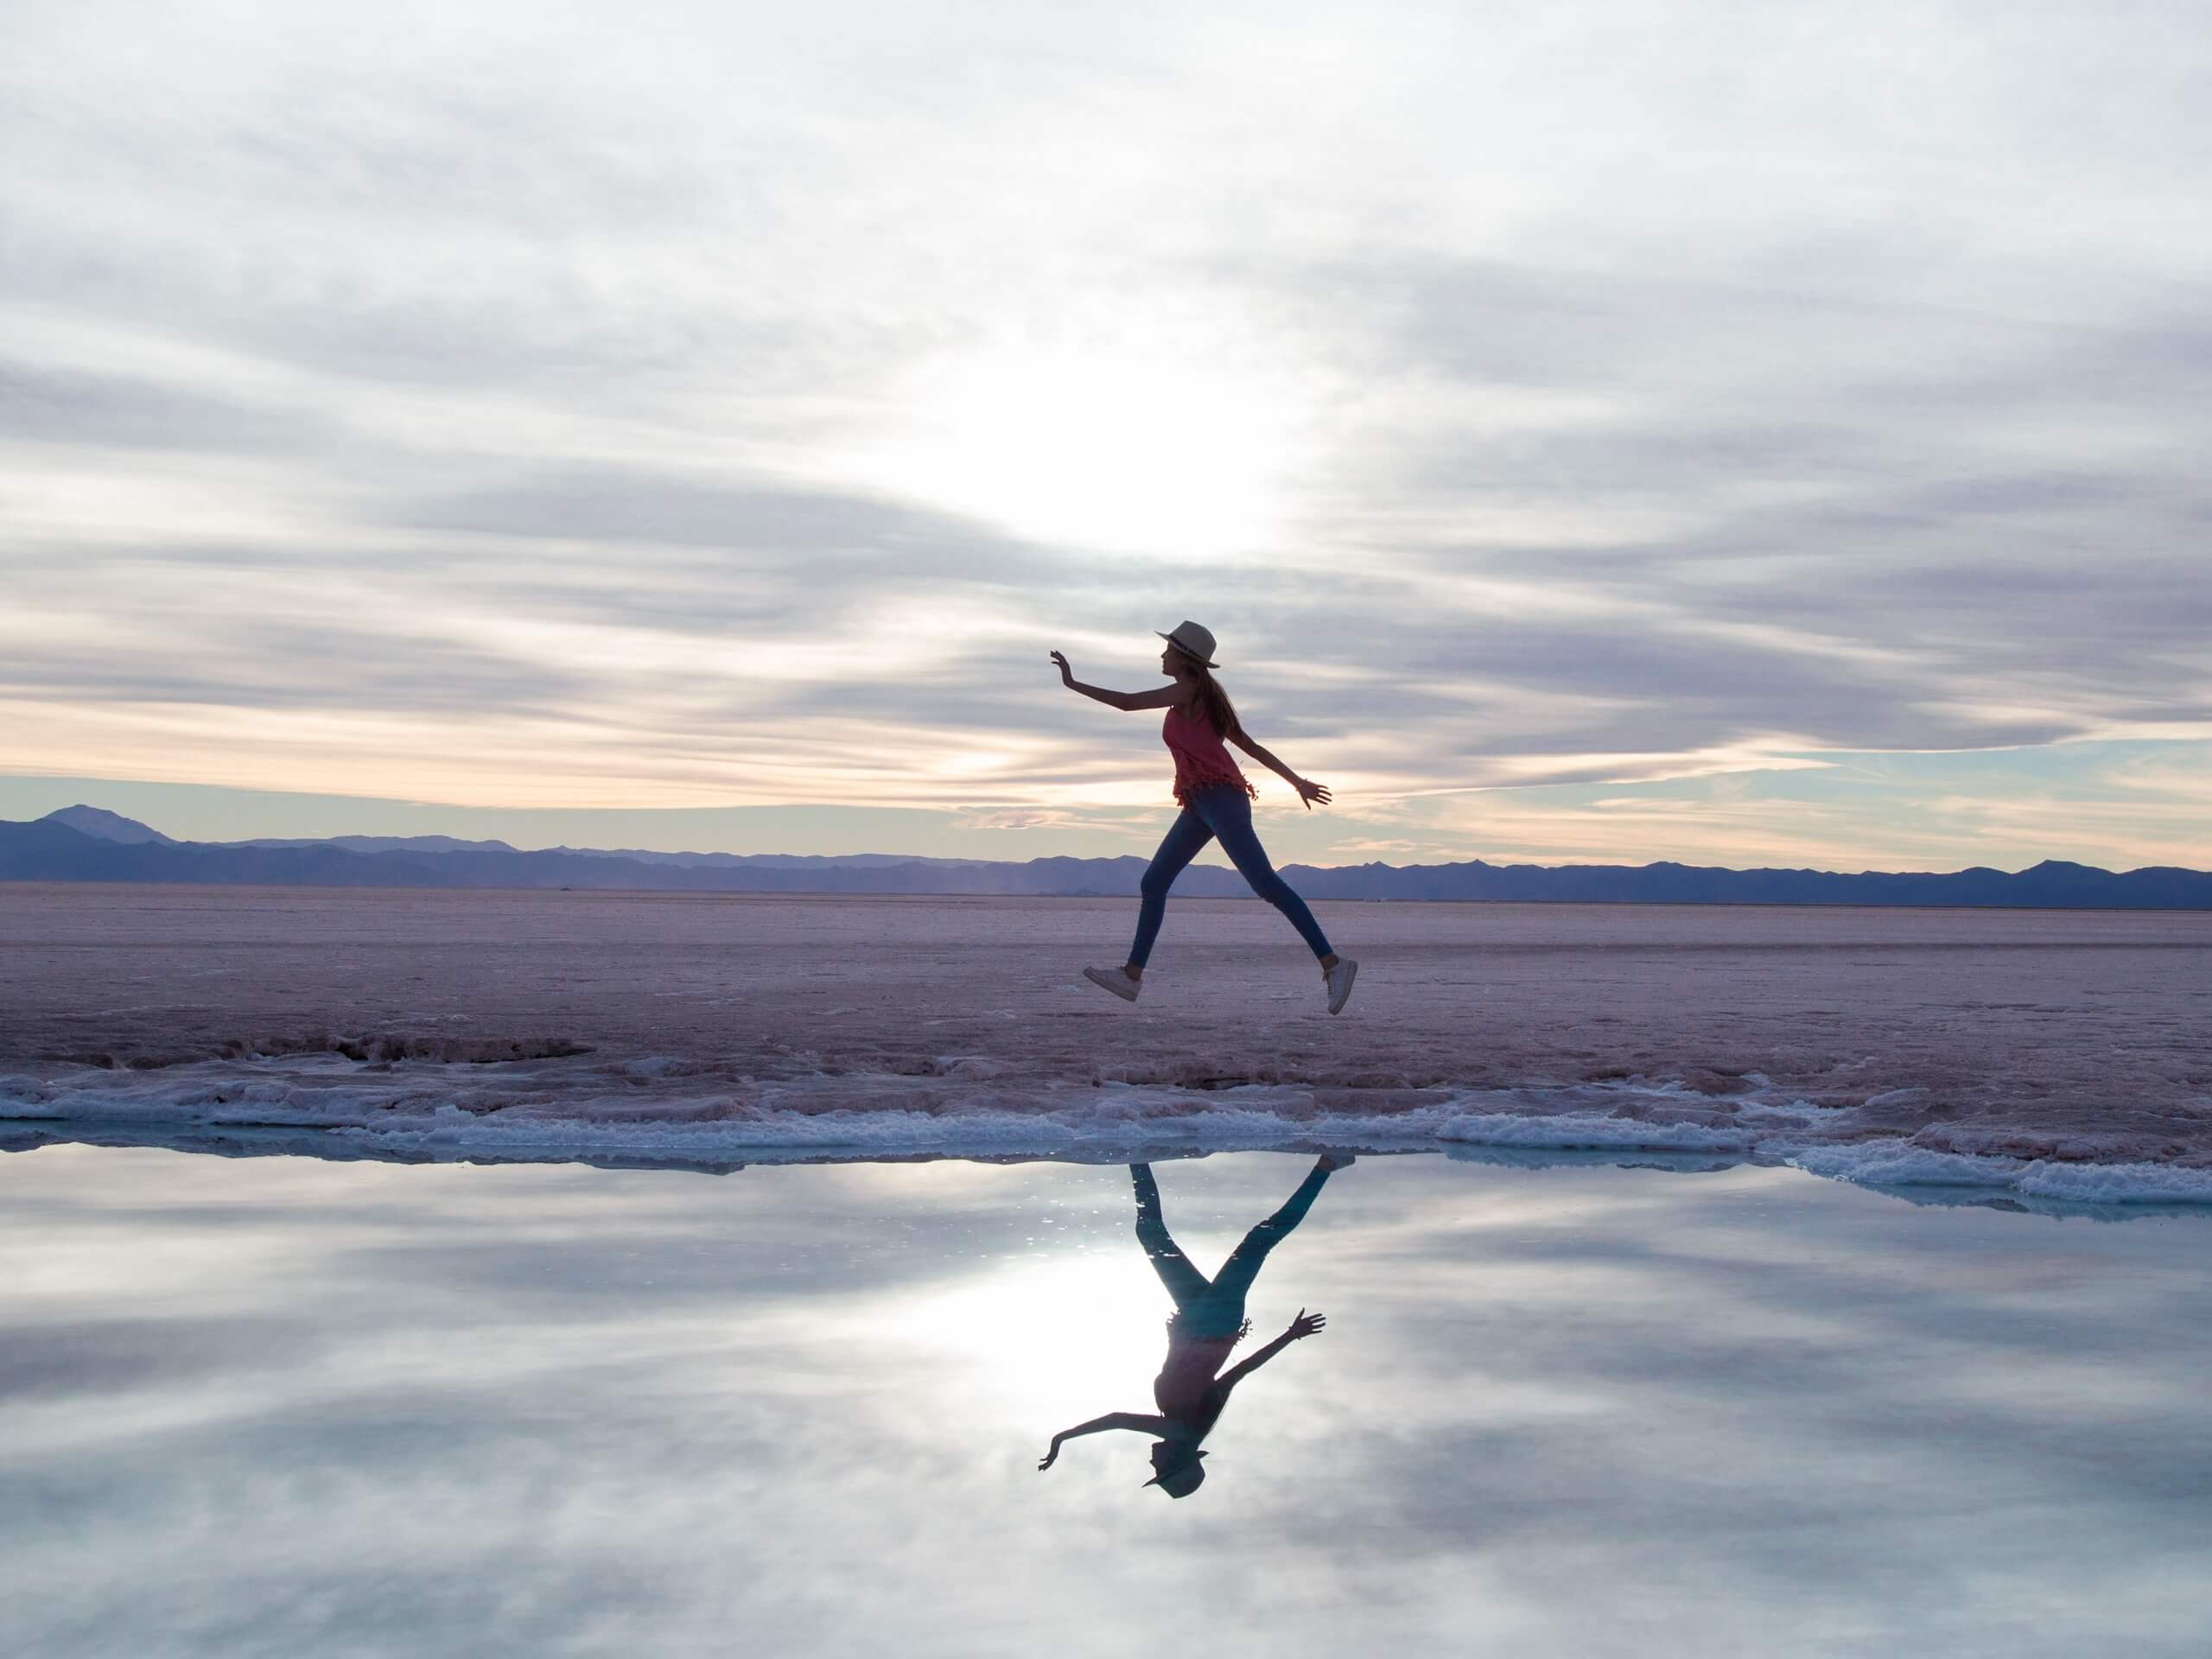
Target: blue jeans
pixel 1226 812
pixel 1215 1307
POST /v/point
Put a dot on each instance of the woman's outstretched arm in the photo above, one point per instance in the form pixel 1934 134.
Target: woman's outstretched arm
pixel 1308 791
pixel 1163 697
pixel 1304 1326
pixel 1137 1421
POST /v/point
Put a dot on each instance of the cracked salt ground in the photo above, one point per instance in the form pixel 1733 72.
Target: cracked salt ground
pixel 2060 1056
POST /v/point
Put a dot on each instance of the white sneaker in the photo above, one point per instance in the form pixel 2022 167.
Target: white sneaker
pixel 1340 978
pixel 1117 981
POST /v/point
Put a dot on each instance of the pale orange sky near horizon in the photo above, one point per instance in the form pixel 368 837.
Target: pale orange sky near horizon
pixel 1851 813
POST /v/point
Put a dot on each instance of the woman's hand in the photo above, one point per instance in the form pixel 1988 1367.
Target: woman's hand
pixel 1067 674
pixel 1309 792
pixel 1306 1323
pixel 1050 1456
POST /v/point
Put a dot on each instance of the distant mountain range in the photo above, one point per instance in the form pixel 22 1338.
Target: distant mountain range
pixel 85 844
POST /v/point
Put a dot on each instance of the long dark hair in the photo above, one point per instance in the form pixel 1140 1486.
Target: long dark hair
pixel 1213 703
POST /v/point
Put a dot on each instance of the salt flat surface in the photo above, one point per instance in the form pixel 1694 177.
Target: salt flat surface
pixel 287 1407
pixel 1997 1048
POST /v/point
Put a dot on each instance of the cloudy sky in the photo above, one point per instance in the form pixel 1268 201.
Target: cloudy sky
pixel 1761 433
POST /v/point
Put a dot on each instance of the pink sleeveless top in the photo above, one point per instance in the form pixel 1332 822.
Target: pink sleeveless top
pixel 1201 758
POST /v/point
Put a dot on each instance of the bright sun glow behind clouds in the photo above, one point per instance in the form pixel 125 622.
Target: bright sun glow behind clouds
pixel 1170 433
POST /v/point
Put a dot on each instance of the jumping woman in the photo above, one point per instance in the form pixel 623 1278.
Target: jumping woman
pixel 1217 803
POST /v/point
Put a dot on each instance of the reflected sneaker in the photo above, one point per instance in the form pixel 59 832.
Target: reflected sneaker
pixel 1116 980
pixel 1340 978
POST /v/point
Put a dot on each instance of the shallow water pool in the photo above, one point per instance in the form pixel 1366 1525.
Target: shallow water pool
pixel 283 1406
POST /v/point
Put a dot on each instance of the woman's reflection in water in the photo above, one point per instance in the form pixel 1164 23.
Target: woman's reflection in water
pixel 1192 1388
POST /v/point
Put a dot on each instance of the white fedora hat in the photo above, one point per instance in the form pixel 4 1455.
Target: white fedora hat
pixel 1193 640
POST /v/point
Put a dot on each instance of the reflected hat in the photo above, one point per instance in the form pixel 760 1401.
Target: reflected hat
pixel 1181 1479
pixel 1194 641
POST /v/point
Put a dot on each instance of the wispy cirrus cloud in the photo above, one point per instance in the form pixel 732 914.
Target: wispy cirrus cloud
pixel 562 406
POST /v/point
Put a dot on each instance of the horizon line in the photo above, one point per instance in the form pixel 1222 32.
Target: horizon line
pixel 493 845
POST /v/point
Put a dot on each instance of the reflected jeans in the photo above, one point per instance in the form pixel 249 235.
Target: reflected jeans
pixel 1214 1308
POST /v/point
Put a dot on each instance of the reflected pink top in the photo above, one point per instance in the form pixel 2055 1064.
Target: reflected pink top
pixel 1184 1382
pixel 1201 758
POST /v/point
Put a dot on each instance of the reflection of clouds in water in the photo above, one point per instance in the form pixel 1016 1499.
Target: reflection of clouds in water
pixel 1028 1340
pixel 1560 1411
